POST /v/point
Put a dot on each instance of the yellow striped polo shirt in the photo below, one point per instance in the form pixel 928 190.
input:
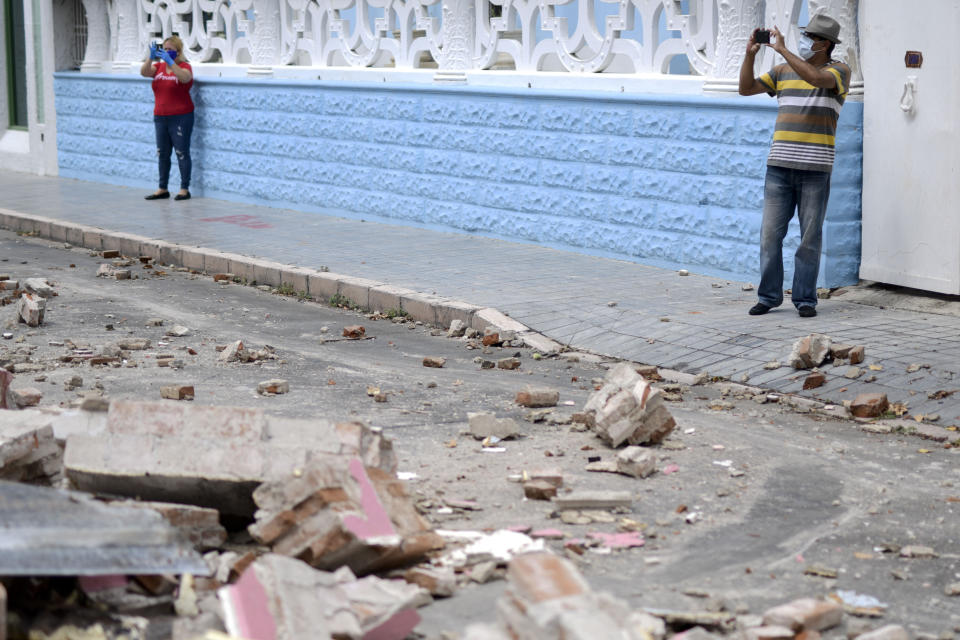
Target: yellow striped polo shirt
pixel 807 119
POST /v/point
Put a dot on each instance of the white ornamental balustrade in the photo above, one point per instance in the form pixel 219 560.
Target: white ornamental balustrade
pixel 844 12
pixel 97 52
pixel 460 36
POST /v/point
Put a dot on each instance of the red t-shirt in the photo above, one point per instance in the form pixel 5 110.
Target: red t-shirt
pixel 172 98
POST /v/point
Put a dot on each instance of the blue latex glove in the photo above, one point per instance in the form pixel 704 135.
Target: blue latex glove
pixel 167 57
pixel 155 51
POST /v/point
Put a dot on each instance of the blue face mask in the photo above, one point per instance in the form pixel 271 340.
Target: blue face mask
pixel 805 47
pixel 172 53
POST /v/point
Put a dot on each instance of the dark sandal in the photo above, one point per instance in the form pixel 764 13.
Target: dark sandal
pixel 157 196
pixel 182 196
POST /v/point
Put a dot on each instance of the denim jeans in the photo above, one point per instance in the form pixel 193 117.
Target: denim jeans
pixel 786 191
pixel 173 134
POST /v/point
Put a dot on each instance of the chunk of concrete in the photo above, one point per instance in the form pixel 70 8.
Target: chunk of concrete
pixel 46 532
pixel 628 409
pixel 199 526
pixel 485 425
pixel 636 462
pixel 233 450
pixel 805 614
pixel 30 309
pixel 285 599
pixel 869 405
pixel 39 286
pixel 810 351
pixel 536 398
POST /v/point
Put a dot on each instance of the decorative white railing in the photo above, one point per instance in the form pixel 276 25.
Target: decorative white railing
pixel 455 37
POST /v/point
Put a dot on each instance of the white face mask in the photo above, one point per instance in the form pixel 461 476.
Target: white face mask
pixel 805 47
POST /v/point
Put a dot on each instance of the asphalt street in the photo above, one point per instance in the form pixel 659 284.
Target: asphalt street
pixel 760 497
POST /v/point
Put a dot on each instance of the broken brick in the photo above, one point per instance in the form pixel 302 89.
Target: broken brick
pixel 177 392
pixel 628 409
pixel 232 352
pixel 30 309
pixel 539 490
pixel 810 351
pixel 805 614
pixel 436 363
pixel 340 512
pixel 201 526
pixel 508 363
pixel 110 254
pixel 814 380
pixel 354 332
pixel 26 397
pixel 857 355
pixel 491 337
pixel 535 398
pixel 636 461
pixel 284 599
pixel 223 277
pixel 840 351
pixel 274 386
pixel 485 425
pixel 439 581
pixel 869 405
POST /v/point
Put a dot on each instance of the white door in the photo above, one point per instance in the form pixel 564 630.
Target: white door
pixel 911 145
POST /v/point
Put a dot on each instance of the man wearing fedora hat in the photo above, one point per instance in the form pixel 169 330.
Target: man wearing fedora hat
pixel 810 89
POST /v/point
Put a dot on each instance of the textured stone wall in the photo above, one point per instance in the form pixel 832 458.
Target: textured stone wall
pixel 672 181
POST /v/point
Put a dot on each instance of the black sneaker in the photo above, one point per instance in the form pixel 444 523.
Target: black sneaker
pixel 759 309
pixel 806 311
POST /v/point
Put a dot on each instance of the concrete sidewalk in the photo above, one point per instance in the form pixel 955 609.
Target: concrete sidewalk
pixel 695 324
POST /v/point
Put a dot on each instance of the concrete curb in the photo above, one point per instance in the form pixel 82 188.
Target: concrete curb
pixel 319 285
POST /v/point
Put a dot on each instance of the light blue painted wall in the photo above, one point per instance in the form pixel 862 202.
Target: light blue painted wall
pixel 673 181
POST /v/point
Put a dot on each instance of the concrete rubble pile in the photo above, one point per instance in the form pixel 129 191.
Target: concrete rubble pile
pixel 340 512
pixel 234 450
pixel 28 450
pixel 285 599
pixel 628 409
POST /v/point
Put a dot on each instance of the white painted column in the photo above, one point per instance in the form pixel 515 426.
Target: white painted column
pixel 737 20
pixel 844 12
pixel 458 34
pixel 265 39
pixel 129 51
pixel 98 36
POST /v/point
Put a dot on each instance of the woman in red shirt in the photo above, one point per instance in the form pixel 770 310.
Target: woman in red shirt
pixel 172 113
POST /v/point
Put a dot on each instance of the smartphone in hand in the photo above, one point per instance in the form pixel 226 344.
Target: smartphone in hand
pixel 761 36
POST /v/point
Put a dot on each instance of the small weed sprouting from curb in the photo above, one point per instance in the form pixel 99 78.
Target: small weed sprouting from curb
pixel 303 296
pixel 286 289
pixel 396 313
pixel 343 302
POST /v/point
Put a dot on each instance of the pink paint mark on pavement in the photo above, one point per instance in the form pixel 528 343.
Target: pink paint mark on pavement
pixel 250 222
pixel 670 468
pixel 619 540
pixel 377 523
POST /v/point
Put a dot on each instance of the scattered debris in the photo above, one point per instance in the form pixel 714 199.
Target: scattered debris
pixel 805 614
pixel 338 512
pixel 594 500
pixel 810 351
pixel 508 363
pixel 628 409
pixel 354 332
pixel 436 363
pixel 274 386
pixel 814 380
pixel 535 398
pixel 177 392
pixel 486 425
pixel 285 599
pixel 30 309
pixel 869 405
pixel 39 286
pixel 457 329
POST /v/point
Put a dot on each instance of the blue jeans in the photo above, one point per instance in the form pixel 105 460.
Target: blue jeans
pixel 786 191
pixel 173 134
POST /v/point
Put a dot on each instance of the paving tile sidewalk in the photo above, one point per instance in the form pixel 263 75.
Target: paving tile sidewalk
pixel 617 308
